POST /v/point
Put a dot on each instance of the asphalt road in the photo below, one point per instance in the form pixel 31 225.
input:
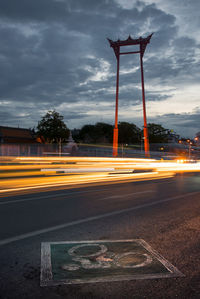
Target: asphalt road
pixel 164 213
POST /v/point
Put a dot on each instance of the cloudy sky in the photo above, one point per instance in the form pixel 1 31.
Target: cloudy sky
pixel 54 55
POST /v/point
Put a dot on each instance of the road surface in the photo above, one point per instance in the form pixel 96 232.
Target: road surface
pixel 164 213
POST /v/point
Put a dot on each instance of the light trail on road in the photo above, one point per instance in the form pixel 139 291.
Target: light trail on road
pixel 32 173
pixel 39 183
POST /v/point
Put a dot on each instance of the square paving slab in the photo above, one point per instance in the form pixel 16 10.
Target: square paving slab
pixel 99 261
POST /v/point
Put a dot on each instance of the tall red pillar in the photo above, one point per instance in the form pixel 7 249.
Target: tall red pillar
pixel 146 136
pixel 115 131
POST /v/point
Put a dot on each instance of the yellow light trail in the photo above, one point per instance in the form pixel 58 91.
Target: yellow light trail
pixel 79 181
pixel 28 173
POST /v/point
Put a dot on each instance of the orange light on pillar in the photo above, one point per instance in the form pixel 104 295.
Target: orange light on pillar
pixel 146 135
pixel 115 131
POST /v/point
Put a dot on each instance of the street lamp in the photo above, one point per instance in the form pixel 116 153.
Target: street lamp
pixel 189 148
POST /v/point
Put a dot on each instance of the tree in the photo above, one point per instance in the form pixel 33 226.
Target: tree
pixel 87 134
pixel 52 128
pixel 98 133
pixel 129 133
pixel 104 131
pixel 157 134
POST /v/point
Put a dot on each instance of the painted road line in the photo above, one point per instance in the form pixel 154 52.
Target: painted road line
pixel 126 195
pixel 72 262
pixel 92 218
pixel 50 196
pixel 64 194
pixel 70 193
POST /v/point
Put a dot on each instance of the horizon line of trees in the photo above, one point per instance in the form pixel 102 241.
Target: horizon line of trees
pixel 52 129
pixel 128 133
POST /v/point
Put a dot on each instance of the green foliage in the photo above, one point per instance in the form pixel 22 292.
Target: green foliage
pixel 52 128
pixel 98 133
pixel 103 133
pixel 129 133
pixel 157 134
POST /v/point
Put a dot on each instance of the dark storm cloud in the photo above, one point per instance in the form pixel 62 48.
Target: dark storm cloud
pixel 55 52
pixel 5 115
pixel 29 10
pixel 185 124
pixel 185 119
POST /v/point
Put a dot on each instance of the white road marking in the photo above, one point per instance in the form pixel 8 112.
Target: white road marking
pixel 70 193
pixel 126 195
pixel 50 196
pixel 73 193
pixel 62 194
pixel 92 218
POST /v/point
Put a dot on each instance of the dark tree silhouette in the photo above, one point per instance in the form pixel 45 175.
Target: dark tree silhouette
pixel 52 128
pixel 129 133
pixel 157 134
pixel 98 133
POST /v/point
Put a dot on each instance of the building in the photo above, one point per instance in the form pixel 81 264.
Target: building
pixel 18 142
pixel 24 142
pixel 16 135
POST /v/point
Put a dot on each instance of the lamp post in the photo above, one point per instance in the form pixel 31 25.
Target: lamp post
pixel 142 42
pixel 189 148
